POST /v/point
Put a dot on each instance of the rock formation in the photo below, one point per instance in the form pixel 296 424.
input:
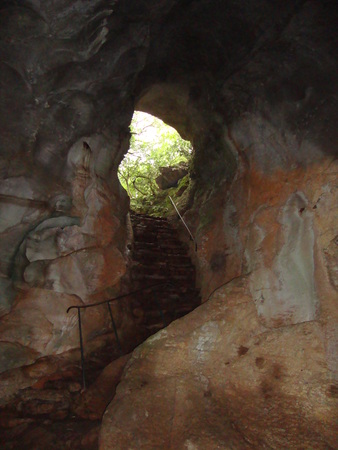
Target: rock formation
pixel 170 176
pixel 253 86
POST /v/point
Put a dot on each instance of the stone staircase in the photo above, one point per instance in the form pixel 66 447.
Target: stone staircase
pixel 160 257
pixel 55 413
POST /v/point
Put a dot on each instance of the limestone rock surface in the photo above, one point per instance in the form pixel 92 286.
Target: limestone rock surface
pixel 219 379
pixel 170 176
pixel 38 326
pixel 253 86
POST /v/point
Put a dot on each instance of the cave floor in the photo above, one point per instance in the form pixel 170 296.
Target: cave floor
pixel 56 413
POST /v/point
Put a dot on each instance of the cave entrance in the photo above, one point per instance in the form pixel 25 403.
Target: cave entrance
pixel 156 165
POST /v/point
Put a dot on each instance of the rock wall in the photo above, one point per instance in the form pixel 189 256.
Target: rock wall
pixel 72 254
pixel 237 372
pixel 65 109
pixel 253 87
pixel 256 365
pixel 221 379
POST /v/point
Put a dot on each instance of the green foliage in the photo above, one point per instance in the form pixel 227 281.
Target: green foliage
pixel 153 145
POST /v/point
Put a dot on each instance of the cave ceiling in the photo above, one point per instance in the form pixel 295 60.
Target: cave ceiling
pixel 74 68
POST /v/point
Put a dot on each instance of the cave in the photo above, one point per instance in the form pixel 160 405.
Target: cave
pixel 253 87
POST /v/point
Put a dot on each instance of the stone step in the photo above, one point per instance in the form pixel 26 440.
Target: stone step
pixel 159 264
pixel 172 298
pixel 162 267
pixel 147 256
pixel 175 288
pixel 156 241
pixel 190 296
pixel 58 403
pixel 159 255
pixel 144 228
pixel 160 248
pixel 160 277
pixel 144 218
pixel 183 309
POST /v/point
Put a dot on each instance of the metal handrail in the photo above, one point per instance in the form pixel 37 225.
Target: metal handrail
pixel 79 307
pixel 119 297
pixel 184 223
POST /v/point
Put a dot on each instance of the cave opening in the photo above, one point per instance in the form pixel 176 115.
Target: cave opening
pixel 252 87
pixel 156 166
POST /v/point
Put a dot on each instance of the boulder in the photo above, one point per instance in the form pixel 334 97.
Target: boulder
pixel 218 378
pixel 170 176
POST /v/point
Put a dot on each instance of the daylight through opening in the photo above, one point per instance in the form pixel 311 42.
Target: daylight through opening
pixel 156 165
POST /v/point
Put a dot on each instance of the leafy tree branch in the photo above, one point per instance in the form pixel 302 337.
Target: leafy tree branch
pixel 152 145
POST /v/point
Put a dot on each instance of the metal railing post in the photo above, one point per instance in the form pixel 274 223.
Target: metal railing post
pixel 115 330
pixel 112 319
pixel 82 353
